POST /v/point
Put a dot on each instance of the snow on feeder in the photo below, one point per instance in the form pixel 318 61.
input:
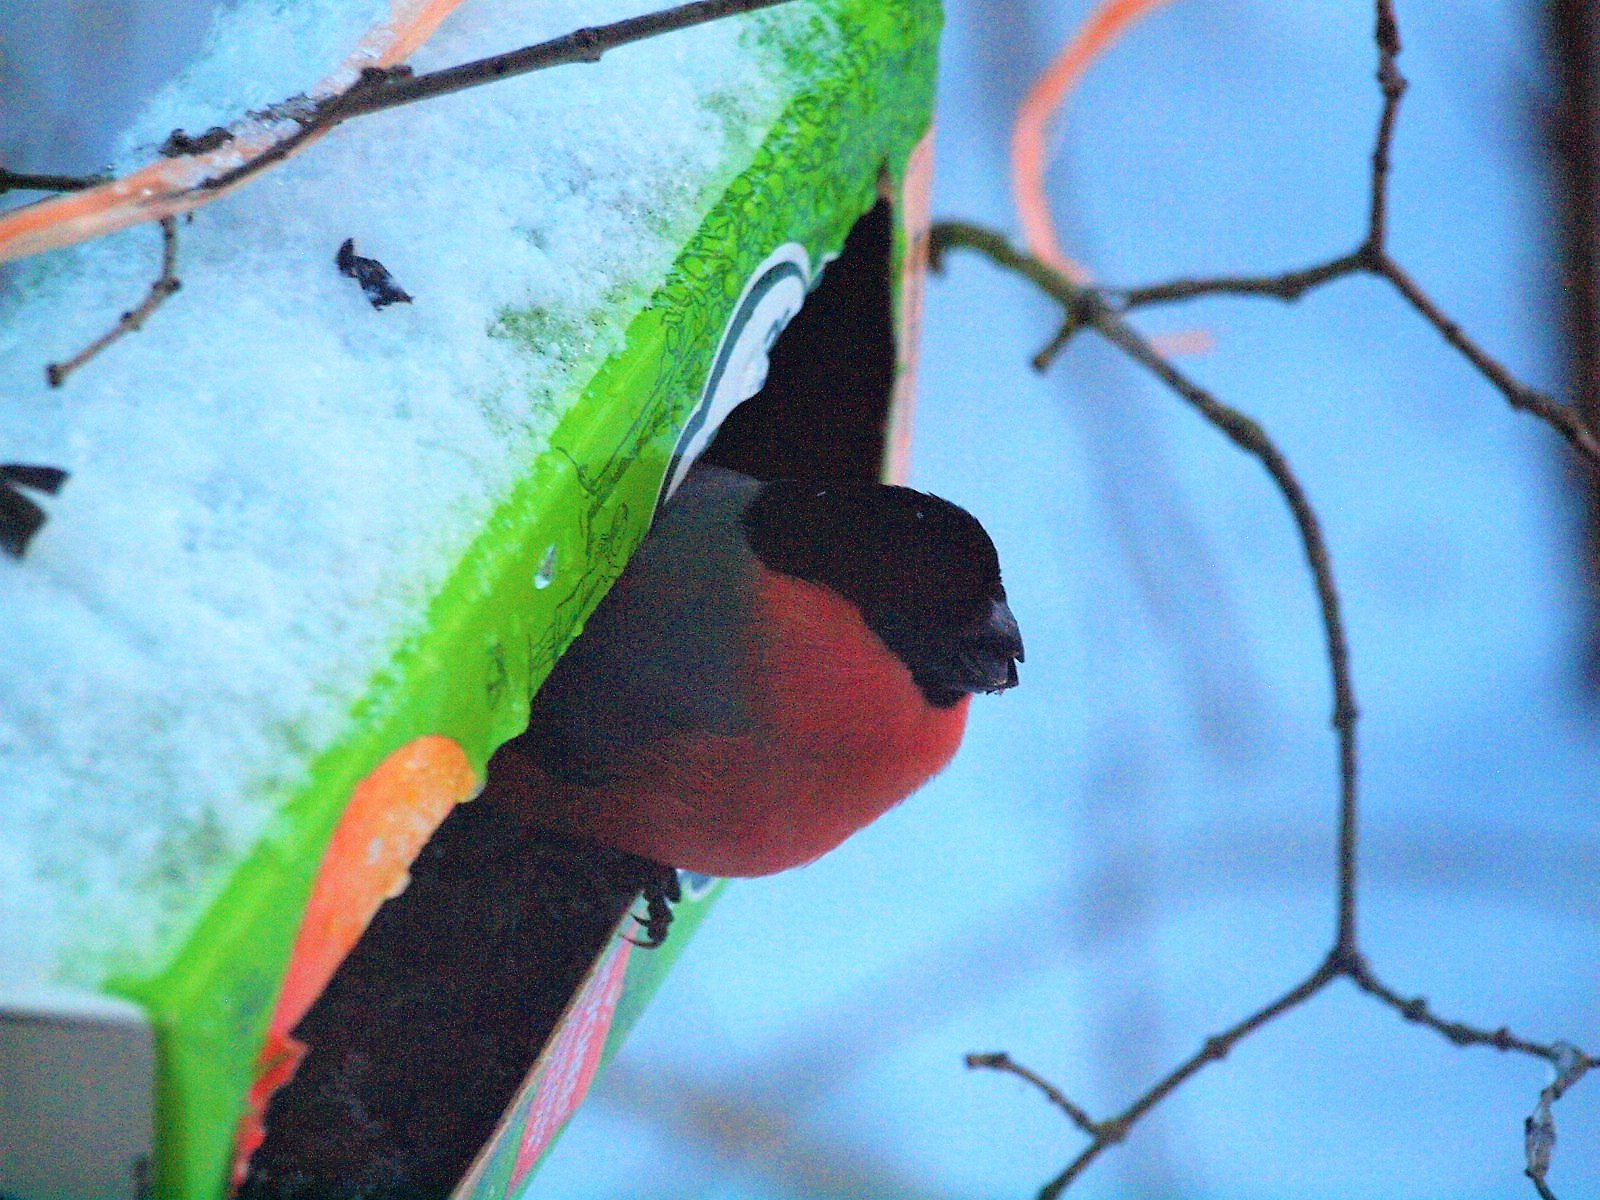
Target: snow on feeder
pixel 317 530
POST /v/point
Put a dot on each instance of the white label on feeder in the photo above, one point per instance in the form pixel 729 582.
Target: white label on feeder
pixel 771 298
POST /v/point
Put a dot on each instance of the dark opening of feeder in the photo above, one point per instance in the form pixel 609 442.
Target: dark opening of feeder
pixel 824 410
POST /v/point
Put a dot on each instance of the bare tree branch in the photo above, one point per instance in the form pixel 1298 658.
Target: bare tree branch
pixel 1102 311
pixel 1392 85
pixel 379 90
pixel 1287 286
pixel 1087 308
pixel 1566 420
pixel 1458 1033
pixel 1214 1049
pixel 280 130
pixel 375 91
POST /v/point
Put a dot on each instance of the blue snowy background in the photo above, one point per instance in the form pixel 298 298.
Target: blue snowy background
pixel 1135 848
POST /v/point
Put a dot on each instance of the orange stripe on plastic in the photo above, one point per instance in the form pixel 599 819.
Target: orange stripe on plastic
pixel 391 815
pixel 1029 151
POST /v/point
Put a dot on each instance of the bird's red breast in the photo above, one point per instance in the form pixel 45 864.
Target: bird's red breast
pixel 779 664
pixel 838 733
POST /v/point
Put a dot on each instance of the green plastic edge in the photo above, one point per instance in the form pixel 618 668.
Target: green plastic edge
pixel 492 635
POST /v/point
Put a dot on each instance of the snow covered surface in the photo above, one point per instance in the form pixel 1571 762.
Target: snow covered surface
pixel 270 481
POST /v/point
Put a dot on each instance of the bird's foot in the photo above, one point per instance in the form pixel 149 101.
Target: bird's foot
pixel 660 892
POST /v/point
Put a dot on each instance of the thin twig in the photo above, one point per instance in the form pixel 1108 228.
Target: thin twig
pixel 1001 1061
pixel 1566 420
pixel 1288 286
pixel 166 283
pixel 377 91
pixel 1369 259
pixel 1214 1049
pixel 1392 86
pixel 21 181
pixel 1457 1032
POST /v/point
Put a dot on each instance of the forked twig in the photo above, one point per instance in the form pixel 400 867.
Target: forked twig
pixel 166 283
pixel 1372 257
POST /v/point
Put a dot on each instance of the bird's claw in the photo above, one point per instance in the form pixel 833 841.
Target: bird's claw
pixel 660 892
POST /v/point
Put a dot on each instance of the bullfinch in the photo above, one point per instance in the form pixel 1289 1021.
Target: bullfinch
pixel 779 664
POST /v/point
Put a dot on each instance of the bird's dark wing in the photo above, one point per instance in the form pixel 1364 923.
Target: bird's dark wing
pixel 662 654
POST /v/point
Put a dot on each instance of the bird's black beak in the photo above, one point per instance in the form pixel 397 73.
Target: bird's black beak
pixel 987 658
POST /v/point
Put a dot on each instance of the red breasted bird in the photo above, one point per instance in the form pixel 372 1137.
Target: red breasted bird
pixel 778 665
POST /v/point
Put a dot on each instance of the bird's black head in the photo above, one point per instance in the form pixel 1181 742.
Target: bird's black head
pixel 922 571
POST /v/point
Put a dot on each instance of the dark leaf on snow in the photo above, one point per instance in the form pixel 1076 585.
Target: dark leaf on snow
pixel 376 283
pixel 20 517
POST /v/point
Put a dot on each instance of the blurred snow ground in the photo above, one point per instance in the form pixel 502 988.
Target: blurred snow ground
pixel 1135 847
